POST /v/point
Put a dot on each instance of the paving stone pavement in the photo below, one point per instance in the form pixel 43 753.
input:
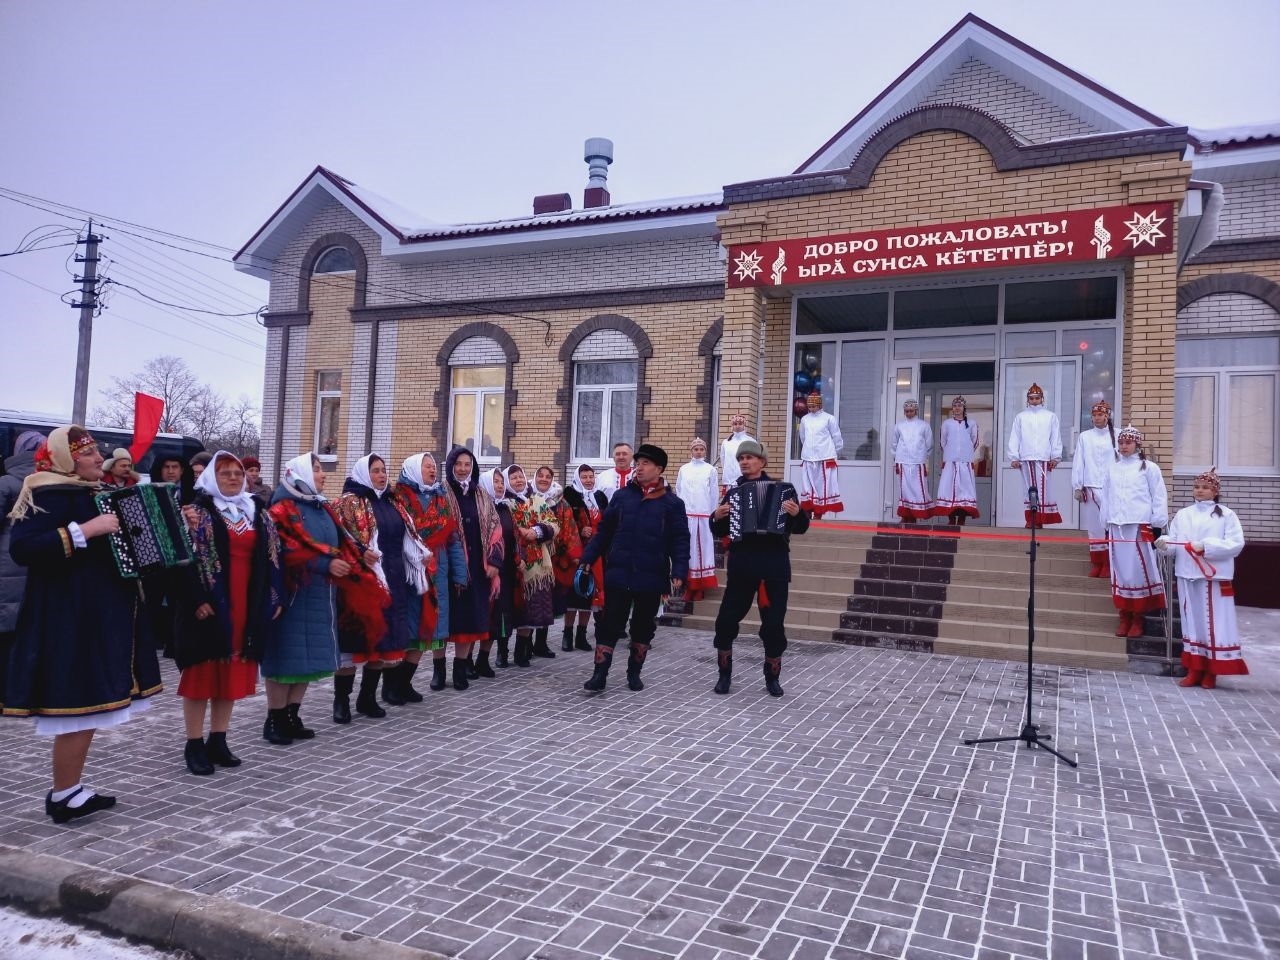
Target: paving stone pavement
pixel 526 818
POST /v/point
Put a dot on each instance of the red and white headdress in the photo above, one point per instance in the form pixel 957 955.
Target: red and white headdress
pixel 1130 433
pixel 1210 477
pixel 1101 407
pixel 1035 391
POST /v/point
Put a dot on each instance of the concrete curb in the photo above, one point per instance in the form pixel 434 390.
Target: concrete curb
pixel 170 919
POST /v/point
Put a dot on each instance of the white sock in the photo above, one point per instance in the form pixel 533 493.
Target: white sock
pixel 81 798
pixel 60 795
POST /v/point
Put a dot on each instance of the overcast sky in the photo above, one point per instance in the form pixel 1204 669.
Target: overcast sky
pixel 199 118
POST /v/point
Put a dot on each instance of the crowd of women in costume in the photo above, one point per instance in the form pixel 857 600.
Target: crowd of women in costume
pixel 300 586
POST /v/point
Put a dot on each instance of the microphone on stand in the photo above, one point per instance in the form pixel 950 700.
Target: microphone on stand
pixel 1033 497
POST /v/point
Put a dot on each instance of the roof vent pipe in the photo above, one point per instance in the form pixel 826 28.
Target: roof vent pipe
pixel 598 153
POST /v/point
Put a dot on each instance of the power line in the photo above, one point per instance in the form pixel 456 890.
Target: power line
pixel 179 266
pixel 146 276
pixel 34 249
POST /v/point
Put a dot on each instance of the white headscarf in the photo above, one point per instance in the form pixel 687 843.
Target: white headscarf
pixel 411 471
pixel 506 475
pixel 553 493
pixel 240 503
pixel 360 474
pixel 486 483
pixel 300 478
pixel 588 496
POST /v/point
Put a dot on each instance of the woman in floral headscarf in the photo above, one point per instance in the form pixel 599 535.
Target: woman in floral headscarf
pixel 422 492
pixel 77 663
pixel 536 529
pixel 230 595
pixel 482 542
pixel 374 513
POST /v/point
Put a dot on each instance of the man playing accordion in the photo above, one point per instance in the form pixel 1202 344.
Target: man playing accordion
pixel 758 514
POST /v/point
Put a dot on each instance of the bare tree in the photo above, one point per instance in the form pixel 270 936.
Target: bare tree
pixel 190 406
pixel 168 378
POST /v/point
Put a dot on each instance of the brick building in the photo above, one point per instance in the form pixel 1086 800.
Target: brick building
pixel 541 339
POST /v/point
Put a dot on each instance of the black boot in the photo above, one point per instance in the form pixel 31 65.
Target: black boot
pixel 580 641
pixel 391 693
pixel 772 668
pixel 296 729
pixel 523 644
pixel 635 663
pixel 407 670
pixel 439 673
pixel 566 642
pixel 604 657
pixel 197 757
pixel 540 648
pixel 471 666
pixel 367 701
pixel 460 673
pixel 725 661
pixel 343 683
pixel 503 648
pixel 278 729
pixel 482 665
pixel 216 749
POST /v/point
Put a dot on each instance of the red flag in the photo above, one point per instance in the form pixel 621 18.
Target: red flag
pixel 146 423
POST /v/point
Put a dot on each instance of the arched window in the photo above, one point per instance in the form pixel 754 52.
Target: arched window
pixel 606 367
pixel 477 384
pixel 335 260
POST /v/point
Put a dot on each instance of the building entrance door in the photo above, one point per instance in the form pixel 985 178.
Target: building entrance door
pixel 935 408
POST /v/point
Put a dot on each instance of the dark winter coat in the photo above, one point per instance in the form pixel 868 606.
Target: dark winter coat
pixel 305 642
pixel 13 576
pixel 451 568
pixel 644 540
pixel 406 606
pixel 196 641
pixel 766 557
pixel 82 644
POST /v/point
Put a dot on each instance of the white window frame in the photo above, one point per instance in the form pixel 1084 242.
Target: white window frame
pixel 481 394
pixel 321 396
pixel 604 451
pixel 1221 395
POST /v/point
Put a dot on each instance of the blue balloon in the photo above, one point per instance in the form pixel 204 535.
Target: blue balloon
pixel 817 384
pixel 804 382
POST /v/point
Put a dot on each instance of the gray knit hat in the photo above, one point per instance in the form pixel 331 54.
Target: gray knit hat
pixel 753 447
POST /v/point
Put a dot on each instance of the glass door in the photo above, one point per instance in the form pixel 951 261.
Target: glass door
pixel 1059 378
pixel 904 382
pixel 935 408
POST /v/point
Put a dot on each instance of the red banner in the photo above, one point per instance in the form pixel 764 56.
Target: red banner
pixel 147 412
pixel 1105 233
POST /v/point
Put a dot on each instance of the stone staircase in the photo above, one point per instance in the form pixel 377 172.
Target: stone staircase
pixel 949 594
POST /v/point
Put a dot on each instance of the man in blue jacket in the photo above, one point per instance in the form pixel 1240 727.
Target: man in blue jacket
pixel 644 538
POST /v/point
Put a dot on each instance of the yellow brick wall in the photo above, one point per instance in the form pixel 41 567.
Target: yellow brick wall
pixel 944 176
pixel 329 340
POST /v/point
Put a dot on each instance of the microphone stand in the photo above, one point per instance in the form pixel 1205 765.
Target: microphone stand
pixel 1030 733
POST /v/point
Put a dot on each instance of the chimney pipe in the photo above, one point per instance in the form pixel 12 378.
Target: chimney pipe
pixel 551 203
pixel 598 153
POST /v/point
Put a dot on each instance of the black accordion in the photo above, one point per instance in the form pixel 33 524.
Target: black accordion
pixel 755 508
pixel 153 532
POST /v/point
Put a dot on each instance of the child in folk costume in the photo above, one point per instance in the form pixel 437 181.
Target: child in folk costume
pixel 1135 509
pixel 820 442
pixel 696 486
pixel 957 489
pixel 536 528
pixel 1035 447
pixel 503 558
pixel 912 443
pixel 1095 452
pixel 588 505
pixel 1207 538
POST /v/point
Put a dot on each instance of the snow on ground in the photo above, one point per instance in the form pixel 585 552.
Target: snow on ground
pixel 24 937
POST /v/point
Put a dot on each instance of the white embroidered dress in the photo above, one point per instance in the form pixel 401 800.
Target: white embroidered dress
pixel 729 471
pixel 820 442
pixel 957 486
pixel 1095 452
pixel 696 486
pixel 1210 637
pixel 1134 501
pixel 911 445
pixel 1034 441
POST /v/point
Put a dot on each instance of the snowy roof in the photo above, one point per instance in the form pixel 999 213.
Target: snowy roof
pixel 617 211
pixel 1247 135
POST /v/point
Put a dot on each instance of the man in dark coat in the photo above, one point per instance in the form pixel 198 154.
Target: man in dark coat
pixel 644 539
pixel 759 568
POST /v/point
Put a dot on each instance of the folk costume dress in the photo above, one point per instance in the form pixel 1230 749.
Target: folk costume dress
pixel 304 647
pixel 379 520
pixel 957 487
pixel 236 569
pixel 534 570
pixel 1210 637
pixel 82 657
pixel 588 509
pixel 503 610
pixel 1095 453
pixel 729 469
pixel 481 542
pixel 1036 441
pixel 696 486
pixel 1134 501
pixel 820 442
pixel 911 444
pixel 437 528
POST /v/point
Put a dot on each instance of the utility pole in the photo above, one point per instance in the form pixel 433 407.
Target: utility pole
pixel 87 305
